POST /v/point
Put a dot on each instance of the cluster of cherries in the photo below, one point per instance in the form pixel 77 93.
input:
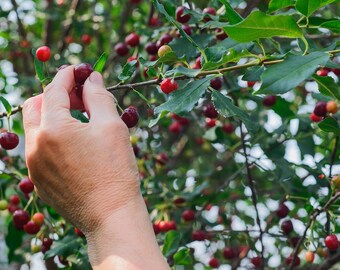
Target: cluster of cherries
pixel 322 108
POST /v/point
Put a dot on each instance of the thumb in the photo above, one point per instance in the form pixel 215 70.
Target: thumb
pixel 99 103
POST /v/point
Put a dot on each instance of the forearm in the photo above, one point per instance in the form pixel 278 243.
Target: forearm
pixel 126 241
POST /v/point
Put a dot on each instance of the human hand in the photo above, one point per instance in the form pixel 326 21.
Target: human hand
pixel 86 171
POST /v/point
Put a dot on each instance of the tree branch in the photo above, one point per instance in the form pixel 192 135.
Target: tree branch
pixel 253 192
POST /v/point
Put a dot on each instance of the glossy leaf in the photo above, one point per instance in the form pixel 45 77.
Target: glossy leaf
pixel 6 104
pixel 100 63
pixel 331 125
pixel 171 243
pixel 282 77
pixel 260 25
pixel 226 108
pixel 327 86
pixel 79 116
pixel 232 15
pixel 128 71
pixel 185 98
pixel 13 240
pixel 183 257
pixel 308 7
pixel 279 4
pixel 63 247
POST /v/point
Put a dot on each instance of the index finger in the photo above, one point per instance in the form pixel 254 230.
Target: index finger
pixel 56 99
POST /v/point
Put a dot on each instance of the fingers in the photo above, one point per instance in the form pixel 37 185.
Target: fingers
pixel 55 99
pixel 32 115
pixel 98 102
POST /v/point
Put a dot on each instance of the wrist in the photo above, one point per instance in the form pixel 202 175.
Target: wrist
pixel 126 240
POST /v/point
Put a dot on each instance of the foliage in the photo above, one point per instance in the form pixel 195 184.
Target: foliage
pixel 233 171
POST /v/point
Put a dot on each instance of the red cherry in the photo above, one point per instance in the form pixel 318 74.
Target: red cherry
pixel 168 86
pixel 130 117
pixel 69 39
pixel 199 141
pixel 154 21
pixel 314 118
pixel 251 84
pixel 162 158
pixel 180 17
pixel 163 226
pixel 289 260
pixel 172 225
pixel 122 49
pixel 179 201
pixel 287 226
pixel 182 120
pixel 269 101
pixel 156 228
pixel 220 34
pixel 282 211
pixel 78 89
pixel 20 218
pixel 332 107
pixel 38 218
pixel 86 39
pixel 209 10
pixel 132 40
pixel 214 263
pixel 26 185
pixel 188 215
pixel 229 253
pixel 151 48
pixel 175 128
pixel 165 39
pixel 228 128
pixel 322 72
pixel 82 72
pixel 12 208
pixel 9 140
pixel 47 242
pixel 209 123
pixel 187 29
pixel 78 232
pixel 216 83
pixel 332 242
pixel 43 53
pixel 256 261
pixel 210 111
pixel 14 199
pixel 336 71
pixel 320 109
pixel 198 235
pixel 31 228
pixel 294 241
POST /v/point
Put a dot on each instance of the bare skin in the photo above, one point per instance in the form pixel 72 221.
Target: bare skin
pixel 88 173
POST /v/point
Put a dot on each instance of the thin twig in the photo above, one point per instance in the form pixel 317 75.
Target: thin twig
pixel 314 215
pixel 253 193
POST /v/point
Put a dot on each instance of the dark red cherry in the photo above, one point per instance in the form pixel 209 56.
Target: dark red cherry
pixel 82 72
pixel 130 117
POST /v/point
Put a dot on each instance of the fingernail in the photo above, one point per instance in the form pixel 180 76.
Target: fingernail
pixel 96 78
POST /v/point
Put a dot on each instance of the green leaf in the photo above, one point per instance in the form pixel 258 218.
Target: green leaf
pixel 232 15
pixel 153 122
pixel 282 108
pixel 231 57
pixel 13 240
pixel 127 71
pixel 79 116
pixel 141 96
pixel 226 108
pixel 253 74
pixel 282 77
pixel 189 72
pixel 331 125
pixel 6 104
pixel 64 247
pixel 39 68
pixel 260 25
pixel 278 4
pixel 308 7
pixel 183 257
pixel 100 63
pixel 327 86
pixel 171 243
pixel 184 99
pixel 334 26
